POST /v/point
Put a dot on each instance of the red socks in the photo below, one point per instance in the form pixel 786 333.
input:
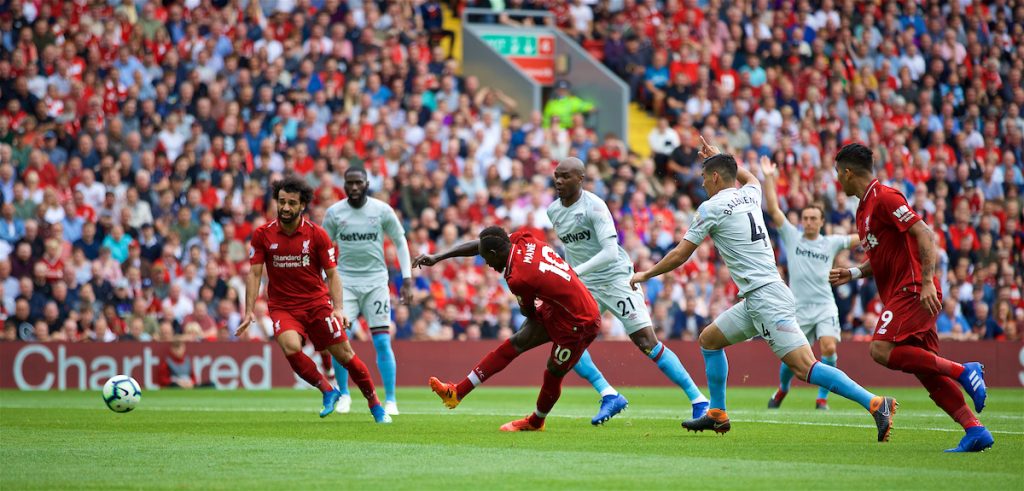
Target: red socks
pixel 549 394
pixel 490 365
pixel 305 368
pixel 325 361
pixel 946 394
pixel 922 362
pixel 938 375
pixel 361 376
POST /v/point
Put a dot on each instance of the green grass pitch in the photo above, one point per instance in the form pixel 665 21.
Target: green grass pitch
pixel 274 440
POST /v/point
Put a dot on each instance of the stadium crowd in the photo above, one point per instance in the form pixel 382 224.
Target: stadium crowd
pixel 138 140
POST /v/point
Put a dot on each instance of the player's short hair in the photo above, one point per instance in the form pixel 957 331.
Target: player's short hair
pixel 360 170
pixel 494 238
pixel 856 157
pixel 293 184
pixel 813 206
pixel 724 164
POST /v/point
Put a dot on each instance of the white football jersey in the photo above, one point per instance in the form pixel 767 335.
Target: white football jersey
pixel 809 262
pixel 581 227
pixel 734 220
pixel 359 234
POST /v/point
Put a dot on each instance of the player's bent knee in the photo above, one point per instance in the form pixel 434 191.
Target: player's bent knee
pixel 880 352
pixel 827 346
pixel 520 341
pixel 800 371
pixel 529 336
pixel 800 362
pixel 711 338
pixel 645 339
pixel 342 352
pixel 557 370
pixel 289 344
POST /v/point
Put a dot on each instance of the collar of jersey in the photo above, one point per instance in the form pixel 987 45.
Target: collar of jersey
pixel 868 190
pixel 281 230
pixel 508 263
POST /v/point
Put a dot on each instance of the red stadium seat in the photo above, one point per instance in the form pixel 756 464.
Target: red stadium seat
pixel 595 47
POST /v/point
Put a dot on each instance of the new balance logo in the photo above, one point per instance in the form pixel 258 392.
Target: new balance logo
pixel 273 246
pixel 903 214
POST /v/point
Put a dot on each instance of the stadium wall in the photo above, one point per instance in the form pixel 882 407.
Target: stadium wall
pixel 86 366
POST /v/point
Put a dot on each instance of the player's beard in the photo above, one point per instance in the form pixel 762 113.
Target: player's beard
pixel 287 220
pixel 357 198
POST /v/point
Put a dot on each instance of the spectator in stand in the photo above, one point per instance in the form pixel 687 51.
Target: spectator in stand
pixel 222 100
pixel 564 105
pixel 950 321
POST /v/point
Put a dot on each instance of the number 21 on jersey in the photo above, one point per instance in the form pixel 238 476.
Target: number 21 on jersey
pixel 551 263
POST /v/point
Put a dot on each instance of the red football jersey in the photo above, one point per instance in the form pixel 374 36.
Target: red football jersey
pixel 294 263
pixel 535 271
pixel 883 219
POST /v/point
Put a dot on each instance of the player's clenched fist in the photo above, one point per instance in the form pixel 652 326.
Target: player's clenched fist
pixel 839 276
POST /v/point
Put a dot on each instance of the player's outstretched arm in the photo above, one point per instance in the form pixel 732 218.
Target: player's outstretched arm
pixel 854 241
pixel 675 258
pixel 926 251
pixel 466 249
pixel 252 290
pixel 842 276
pixel 771 196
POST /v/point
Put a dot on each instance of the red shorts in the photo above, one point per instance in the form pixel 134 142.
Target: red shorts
pixel 568 341
pixel 905 321
pixel 318 325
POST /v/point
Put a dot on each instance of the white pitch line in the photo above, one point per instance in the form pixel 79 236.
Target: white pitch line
pixel 898 427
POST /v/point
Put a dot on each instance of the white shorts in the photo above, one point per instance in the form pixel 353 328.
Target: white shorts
pixel 626 304
pixel 819 322
pixel 374 302
pixel 769 312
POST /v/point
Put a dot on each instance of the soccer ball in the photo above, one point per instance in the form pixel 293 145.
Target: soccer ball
pixel 121 393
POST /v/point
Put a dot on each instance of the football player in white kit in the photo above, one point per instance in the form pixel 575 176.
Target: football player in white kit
pixel 357 225
pixel 585 226
pixel 809 256
pixel 732 217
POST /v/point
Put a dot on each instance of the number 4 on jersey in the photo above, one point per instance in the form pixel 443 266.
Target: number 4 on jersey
pixel 756 231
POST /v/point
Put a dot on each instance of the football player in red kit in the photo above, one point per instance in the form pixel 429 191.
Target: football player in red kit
pixel 296 252
pixel 568 316
pixel 901 257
